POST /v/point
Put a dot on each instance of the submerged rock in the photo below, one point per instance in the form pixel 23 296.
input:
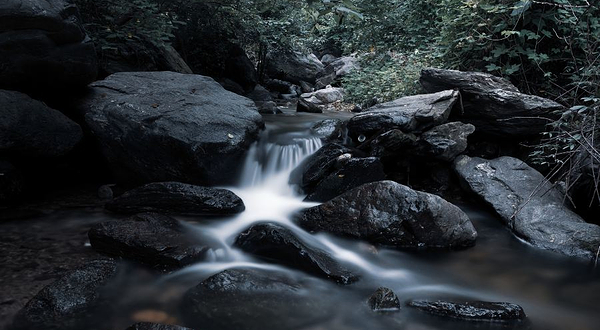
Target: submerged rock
pixel 178 198
pixel 251 299
pixel 493 104
pixel 352 173
pixel 44 46
pixel 473 311
pixel 29 128
pixel 279 244
pixel 166 126
pixel 445 142
pixel 389 213
pixel 384 300
pixel 69 302
pixel 529 205
pixel 152 239
pixel 409 114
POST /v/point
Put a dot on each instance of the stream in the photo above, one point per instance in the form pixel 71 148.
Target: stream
pixel 556 292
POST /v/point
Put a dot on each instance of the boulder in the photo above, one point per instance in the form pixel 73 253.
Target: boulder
pixel 293 67
pixel 494 105
pixel 232 86
pixel 259 94
pixel 177 198
pixel 278 244
pixel 391 144
pixel 155 240
pixel 240 69
pixel 472 310
pixel 318 166
pixel 392 214
pixel 335 70
pixel 166 126
pixel 445 142
pixel 529 205
pixel 352 173
pixel 328 129
pixel 409 114
pixel 305 106
pixel 69 302
pixel 155 326
pixel 279 86
pixel 323 97
pixel 251 299
pixel 142 55
pixel 30 128
pixel 43 46
pixel 327 59
pixel 384 300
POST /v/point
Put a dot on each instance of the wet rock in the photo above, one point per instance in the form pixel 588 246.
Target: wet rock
pixel 391 144
pixel 251 299
pixel 259 94
pixel 352 173
pixel 69 302
pixel 293 67
pixel 178 198
pixel 279 244
pixel 152 239
pixel 166 126
pixel 493 104
pixel 30 128
pixel 445 142
pixel 409 114
pixel 239 68
pixel 473 311
pixel 155 326
pixel 319 165
pixel 269 107
pixel 328 129
pixel 305 106
pixel 529 205
pixel 384 300
pixel 391 214
pixel 44 46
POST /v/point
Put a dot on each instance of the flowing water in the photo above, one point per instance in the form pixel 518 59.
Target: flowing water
pixel 556 292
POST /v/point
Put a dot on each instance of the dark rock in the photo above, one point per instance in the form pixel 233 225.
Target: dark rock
pixel 472 311
pixel 29 128
pixel 105 192
pixel 409 114
pixel 240 69
pixel 155 326
pixel 166 126
pixel 493 104
pixel 384 300
pixel 392 143
pixel 279 86
pixel 352 173
pixel 251 299
pixel 232 86
pixel 69 302
pixel 11 182
pixel 305 106
pixel 268 107
pixel 259 94
pixel 153 239
pixel 293 67
pixel 142 55
pixel 583 181
pixel 529 205
pixel 306 87
pixel 389 213
pixel 44 46
pixel 319 165
pixel 279 244
pixel 337 69
pixel 445 142
pixel 328 129
pixel 178 198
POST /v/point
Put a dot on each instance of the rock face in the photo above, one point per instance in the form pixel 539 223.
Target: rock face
pixel 43 46
pixel 29 128
pixel 409 114
pixel 384 300
pixel 352 173
pixel 179 198
pixel 529 205
pixel 68 302
pixel 166 126
pixel 473 311
pixel 250 299
pixel 391 214
pixel 294 67
pixel 279 244
pixel 493 104
pixel 150 238
pixel 445 142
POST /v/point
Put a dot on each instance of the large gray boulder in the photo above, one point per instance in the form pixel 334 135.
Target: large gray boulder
pixel 43 46
pixel 166 126
pixel 30 128
pixel 392 214
pixel 529 205
pixel 445 142
pixel 492 104
pixel 409 114
pixel 293 67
